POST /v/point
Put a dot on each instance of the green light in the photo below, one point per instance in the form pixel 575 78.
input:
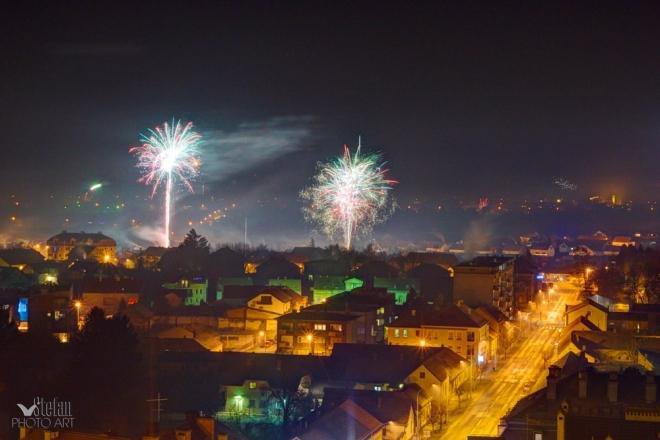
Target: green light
pixel 95 186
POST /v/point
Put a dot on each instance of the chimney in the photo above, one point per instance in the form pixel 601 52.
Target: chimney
pixel 582 384
pixel 553 376
pixel 650 388
pixel 613 387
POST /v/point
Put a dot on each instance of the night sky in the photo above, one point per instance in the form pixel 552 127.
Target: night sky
pixel 462 100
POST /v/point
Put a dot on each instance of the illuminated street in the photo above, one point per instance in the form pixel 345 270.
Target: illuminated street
pixel 497 391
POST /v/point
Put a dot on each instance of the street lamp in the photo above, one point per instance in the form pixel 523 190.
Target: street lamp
pixel 77 305
pixel 422 343
pixel 261 338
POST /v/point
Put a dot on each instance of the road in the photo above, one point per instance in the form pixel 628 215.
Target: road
pixel 496 392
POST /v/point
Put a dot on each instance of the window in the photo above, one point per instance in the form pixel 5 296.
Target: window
pixel 319 327
pixel 422 374
pixel 266 299
pixel 470 336
pixel 450 336
pixel 380 322
pixel 470 350
pixel 378 388
pixel 253 385
pixel 416 332
pixel 538 436
pixel 380 311
pixel 459 336
pixel 405 332
pixel 396 333
pixel 360 331
pixel 336 327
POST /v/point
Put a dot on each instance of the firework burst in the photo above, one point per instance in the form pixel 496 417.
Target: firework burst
pixel 350 194
pixel 166 153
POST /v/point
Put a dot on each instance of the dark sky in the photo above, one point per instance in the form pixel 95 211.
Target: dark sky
pixel 462 100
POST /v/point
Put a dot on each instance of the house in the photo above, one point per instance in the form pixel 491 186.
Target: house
pixel 192 291
pixel 24 259
pixel 443 259
pixel 246 384
pixel 323 278
pixel 108 294
pixel 435 282
pixel 542 250
pixel 622 240
pixel 294 284
pixel 346 421
pixel 394 411
pixel 51 312
pixel 502 331
pixel 525 283
pixel 277 267
pixel 587 404
pixel 439 372
pixel 277 300
pixel 375 306
pixel 324 286
pixel 151 256
pixel 316 331
pixel 486 280
pixel 399 287
pixel 82 245
pixel 455 327
pixel 638 318
pixel 595 309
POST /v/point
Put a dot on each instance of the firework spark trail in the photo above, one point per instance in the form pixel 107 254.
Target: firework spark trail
pixel 565 184
pixel 349 194
pixel 168 152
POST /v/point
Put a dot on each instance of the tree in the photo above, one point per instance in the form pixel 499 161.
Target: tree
pixel 193 240
pixel 108 373
pixel 186 260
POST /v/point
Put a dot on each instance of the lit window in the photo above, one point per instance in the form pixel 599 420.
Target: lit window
pixel 405 332
pixel 253 385
pixel 538 436
pixel 319 326
pixel 397 333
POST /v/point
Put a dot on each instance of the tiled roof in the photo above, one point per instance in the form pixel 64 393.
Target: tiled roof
pixel 385 406
pixel 448 316
pixel 17 256
pixel 355 362
pixel 70 238
pixel 346 421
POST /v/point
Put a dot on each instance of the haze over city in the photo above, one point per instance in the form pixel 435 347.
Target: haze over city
pixel 330 221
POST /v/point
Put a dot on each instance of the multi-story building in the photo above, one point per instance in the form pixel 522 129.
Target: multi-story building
pixel 455 327
pixel 486 280
pixel 316 331
pixel 95 246
pixel 376 306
